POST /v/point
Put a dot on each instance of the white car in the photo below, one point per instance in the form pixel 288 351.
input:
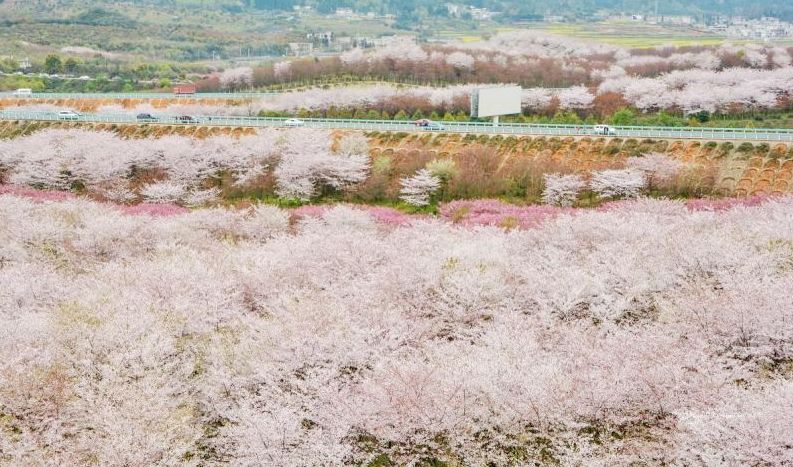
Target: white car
pixel 23 92
pixel 68 115
pixel 605 130
pixel 294 122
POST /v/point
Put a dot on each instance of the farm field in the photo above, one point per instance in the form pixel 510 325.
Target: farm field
pixel 396 233
pixel 637 34
pixel 646 330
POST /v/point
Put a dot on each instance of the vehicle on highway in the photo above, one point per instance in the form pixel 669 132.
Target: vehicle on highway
pixel 294 122
pixel 435 126
pixel 146 118
pixel 184 90
pixel 23 92
pixel 68 115
pixel 605 130
pixel 429 125
pixel 185 119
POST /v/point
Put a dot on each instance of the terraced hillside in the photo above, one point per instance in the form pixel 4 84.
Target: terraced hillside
pixel 731 168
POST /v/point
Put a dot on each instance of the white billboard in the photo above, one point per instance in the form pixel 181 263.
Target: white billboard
pixel 494 101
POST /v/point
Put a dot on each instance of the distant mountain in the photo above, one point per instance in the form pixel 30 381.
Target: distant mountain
pixel 753 8
pixel 581 8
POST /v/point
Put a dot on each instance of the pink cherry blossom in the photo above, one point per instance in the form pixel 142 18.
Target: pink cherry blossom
pixel 607 337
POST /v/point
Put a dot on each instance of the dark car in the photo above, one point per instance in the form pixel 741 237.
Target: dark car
pixel 144 117
pixel 185 119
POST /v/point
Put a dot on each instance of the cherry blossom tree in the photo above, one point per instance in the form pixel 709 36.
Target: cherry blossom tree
pixel 163 192
pixel 236 78
pixel 755 58
pixel 562 190
pixel 118 192
pixel 612 72
pixel 781 58
pixel 460 60
pixel 698 90
pixel 353 56
pixel 418 189
pixel 535 98
pixel 657 167
pixel 603 336
pixel 102 160
pixel 282 69
pixel 648 94
pixel 355 144
pixel 197 198
pixel 746 428
pixel 576 97
pixel 301 172
pixel 621 183
pixel 400 51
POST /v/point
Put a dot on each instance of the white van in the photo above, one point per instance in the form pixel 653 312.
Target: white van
pixel 23 92
pixel 605 130
pixel 68 115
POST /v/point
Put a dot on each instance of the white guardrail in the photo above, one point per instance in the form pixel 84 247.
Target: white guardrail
pixel 700 133
pixel 135 95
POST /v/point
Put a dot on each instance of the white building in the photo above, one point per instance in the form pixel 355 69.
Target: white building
pixel 764 29
pixel 456 10
pixel 386 41
pixel 674 20
pixel 482 14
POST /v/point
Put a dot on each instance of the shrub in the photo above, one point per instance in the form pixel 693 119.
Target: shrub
pixel 381 165
pixel 745 148
pixel 444 169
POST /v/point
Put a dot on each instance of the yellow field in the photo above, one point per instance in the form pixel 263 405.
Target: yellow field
pixel 634 34
pixel 623 33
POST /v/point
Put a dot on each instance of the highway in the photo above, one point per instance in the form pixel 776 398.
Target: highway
pixel 705 134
